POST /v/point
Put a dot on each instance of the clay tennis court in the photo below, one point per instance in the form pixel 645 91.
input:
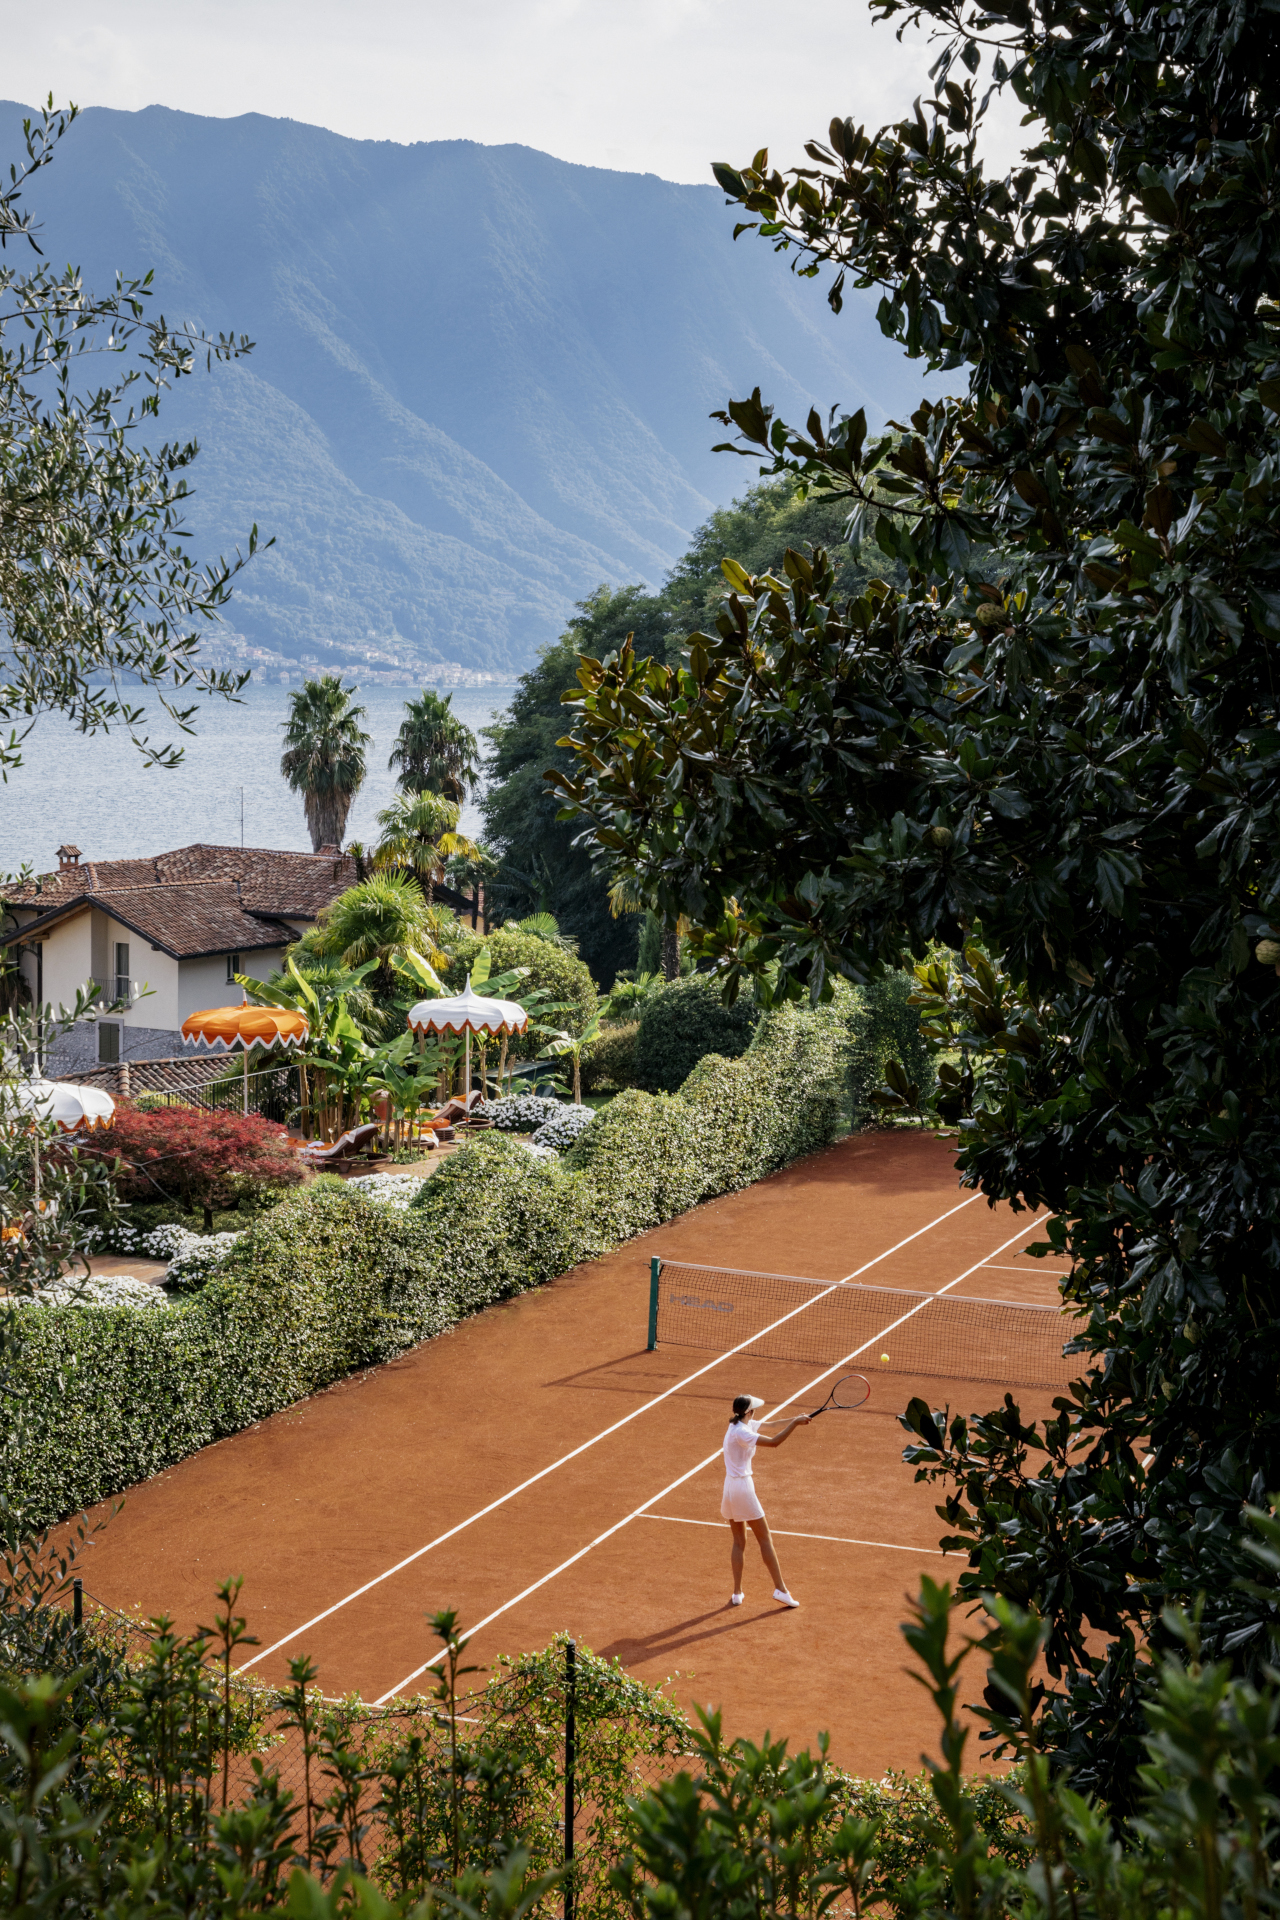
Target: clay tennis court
pixel 539 1469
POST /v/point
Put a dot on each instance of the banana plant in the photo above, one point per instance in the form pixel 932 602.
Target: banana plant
pixel 563 1045
pixel 406 1076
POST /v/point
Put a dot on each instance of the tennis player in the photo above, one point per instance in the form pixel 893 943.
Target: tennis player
pixel 740 1505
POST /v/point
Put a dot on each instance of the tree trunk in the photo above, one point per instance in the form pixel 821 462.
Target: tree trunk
pixel 671 953
pixel 577 1079
pixel 327 815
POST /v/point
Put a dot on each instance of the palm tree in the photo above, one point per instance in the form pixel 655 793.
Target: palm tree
pixel 434 750
pixel 625 897
pixel 419 831
pixel 545 926
pixel 378 919
pixel 324 755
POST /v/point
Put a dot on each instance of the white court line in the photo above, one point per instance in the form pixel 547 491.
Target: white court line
pixel 637 1512
pixel 595 1440
pixel 789 1533
pixel 1050 1273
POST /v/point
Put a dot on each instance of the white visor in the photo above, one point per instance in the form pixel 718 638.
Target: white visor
pixel 754 1402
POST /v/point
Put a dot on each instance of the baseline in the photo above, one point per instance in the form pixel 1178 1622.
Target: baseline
pixel 637 1512
pixel 586 1445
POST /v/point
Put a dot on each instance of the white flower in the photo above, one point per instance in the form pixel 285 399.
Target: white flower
pixel 519 1112
pixel 191 1256
pixel 561 1132
pixel 398 1190
pixel 99 1290
pixel 539 1153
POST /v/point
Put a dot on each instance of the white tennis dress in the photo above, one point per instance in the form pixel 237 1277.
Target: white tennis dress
pixel 740 1500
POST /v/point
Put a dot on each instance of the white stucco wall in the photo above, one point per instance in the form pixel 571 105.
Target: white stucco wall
pixel 68 959
pixel 148 968
pixel 203 983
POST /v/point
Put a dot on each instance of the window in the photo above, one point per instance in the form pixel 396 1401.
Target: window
pixel 233 968
pixel 123 987
pixel 108 1043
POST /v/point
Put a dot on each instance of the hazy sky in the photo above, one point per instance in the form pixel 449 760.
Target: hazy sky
pixel 657 86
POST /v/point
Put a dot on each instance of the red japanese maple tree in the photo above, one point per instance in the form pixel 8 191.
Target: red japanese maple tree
pixel 200 1159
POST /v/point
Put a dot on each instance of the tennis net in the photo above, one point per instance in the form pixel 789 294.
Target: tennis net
pixel 779 1316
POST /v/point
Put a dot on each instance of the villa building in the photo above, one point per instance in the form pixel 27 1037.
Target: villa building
pixel 163 937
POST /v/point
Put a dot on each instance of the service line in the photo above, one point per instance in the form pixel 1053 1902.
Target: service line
pixel 642 1510
pixel 595 1440
pixel 789 1533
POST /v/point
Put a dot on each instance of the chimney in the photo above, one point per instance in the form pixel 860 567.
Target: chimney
pixel 68 859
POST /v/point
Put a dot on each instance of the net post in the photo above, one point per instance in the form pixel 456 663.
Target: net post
pixel 655 1272
pixel 77 1603
pixel 570 1758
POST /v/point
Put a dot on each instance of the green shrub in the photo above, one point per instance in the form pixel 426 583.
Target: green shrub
pixel 611 1060
pixel 884 1028
pixel 330 1280
pixel 683 1021
pixel 561 974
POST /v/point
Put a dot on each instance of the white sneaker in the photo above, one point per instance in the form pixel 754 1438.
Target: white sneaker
pixel 780 1593
pixel 736 1599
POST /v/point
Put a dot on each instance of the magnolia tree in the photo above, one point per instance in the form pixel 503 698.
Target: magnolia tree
pixel 1050 742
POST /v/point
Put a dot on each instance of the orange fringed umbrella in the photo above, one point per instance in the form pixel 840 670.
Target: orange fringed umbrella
pixel 246 1027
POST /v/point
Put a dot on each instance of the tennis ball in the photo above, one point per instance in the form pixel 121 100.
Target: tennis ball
pixel 884 1356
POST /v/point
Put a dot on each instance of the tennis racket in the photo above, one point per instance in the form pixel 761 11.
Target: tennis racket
pixel 850 1391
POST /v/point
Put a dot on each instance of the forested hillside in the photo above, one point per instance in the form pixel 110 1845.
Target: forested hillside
pixel 481 379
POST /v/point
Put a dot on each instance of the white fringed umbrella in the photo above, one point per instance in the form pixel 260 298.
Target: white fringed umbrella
pixel 467 1013
pixel 72 1109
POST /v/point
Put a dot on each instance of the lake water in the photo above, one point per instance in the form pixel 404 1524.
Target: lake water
pixel 97 793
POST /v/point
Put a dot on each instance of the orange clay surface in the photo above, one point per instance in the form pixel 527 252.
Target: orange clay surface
pixel 317 1502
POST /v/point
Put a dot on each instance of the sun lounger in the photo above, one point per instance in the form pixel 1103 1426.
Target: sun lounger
pixel 356 1140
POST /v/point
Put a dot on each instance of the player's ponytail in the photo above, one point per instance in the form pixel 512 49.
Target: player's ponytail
pixel 741 1408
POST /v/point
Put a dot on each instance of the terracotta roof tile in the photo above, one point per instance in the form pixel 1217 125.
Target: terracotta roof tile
pixel 200 899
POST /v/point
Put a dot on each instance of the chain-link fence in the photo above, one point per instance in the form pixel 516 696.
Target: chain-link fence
pixel 550 1747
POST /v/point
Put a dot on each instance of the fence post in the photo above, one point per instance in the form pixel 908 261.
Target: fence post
pixel 77 1603
pixel 570 1758
pixel 655 1270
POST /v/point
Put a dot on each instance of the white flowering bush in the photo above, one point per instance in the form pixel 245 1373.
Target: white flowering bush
pixel 336 1277
pixel 97 1290
pixel 520 1112
pixel 562 1130
pixel 153 1243
pixel 398 1190
pixel 194 1257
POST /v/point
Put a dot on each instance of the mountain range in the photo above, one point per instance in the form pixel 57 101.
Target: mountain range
pixel 481 377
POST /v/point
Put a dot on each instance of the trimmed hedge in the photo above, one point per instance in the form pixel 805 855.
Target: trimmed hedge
pixel 331 1281
pixel 683 1022
pixel 887 1027
pixel 610 1061
pixel 559 972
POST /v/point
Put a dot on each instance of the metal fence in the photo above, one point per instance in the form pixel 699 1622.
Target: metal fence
pixel 577 1754
pixel 274 1092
